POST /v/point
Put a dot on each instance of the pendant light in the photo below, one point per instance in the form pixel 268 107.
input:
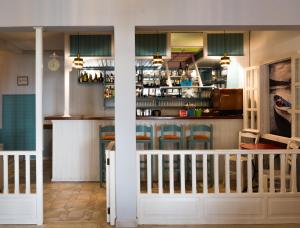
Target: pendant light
pixel 157 58
pixel 78 61
pixel 225 60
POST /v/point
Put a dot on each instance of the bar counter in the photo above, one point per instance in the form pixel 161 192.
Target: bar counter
pixel 145 117
pixel 76 140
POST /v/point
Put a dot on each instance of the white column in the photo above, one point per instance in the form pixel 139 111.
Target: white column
pixel 67 70
pixel 39 120
pixel 126 179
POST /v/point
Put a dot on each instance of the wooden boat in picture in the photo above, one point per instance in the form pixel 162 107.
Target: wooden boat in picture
pixel 282 113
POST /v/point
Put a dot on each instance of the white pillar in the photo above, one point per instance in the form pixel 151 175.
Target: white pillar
pixel 39 121
pixel 126 179
pixel 67 70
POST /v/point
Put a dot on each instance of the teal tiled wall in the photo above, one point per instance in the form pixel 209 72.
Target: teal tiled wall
pixel 91 45
pixel 1 139
pixel 149 44
pixel 234 44
pixel 18 116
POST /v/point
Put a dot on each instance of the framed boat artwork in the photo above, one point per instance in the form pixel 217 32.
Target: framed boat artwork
pixel 280 98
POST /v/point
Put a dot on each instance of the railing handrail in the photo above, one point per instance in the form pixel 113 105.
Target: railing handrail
pixel 218 152
pixel 17 152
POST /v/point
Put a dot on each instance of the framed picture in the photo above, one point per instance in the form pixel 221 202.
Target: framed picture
pixel 280 98
pixel 22 80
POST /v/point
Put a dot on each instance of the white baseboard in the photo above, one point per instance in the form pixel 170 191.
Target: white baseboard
pixel 126 223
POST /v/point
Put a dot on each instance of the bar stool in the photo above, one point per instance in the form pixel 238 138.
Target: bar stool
pixel 202 134
pixel 171 134
pixel 197 136
pixel 146 137
pixel 107 135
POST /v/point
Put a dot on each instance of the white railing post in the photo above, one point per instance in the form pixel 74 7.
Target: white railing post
pixel 271 165
pixel 227 173
pixel 149 176
pixel 249 173
pixel 182 173
pixel 17 174
pixel 216 173
pixel 282 173
pixel 293 182
pixel 5 174
pixel 194 172
pixel 27 170
pixel 238 173
pixel 205 189
pixel 171 173
pixel 260 173
pixel 160 173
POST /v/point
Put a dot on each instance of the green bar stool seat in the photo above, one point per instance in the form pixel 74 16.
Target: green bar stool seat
pixel 106 135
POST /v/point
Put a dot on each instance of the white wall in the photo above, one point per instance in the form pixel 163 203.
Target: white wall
pixel 267 46
pixel 85 99
pixel 11 66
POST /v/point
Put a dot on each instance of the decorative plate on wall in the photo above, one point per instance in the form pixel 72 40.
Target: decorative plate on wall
pixel 53 64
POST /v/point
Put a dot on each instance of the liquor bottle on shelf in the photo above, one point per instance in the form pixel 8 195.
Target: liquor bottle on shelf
pixel 85 77
pixel 106 79
pixel 112 78
pixel 80 79
pixel 101 78
pixel 90 79
pixel 140 78
pixel 96 78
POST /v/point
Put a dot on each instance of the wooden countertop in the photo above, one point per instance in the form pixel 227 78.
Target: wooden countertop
pixel 145 117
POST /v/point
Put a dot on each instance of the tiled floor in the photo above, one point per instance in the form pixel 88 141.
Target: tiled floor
pixel 83 205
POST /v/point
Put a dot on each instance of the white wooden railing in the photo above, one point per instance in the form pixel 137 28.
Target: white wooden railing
pixel 10 160
pixel 181 187
pixel 222 159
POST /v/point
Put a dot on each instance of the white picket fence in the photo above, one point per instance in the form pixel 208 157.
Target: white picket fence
pixel 18 199
pixel 203 195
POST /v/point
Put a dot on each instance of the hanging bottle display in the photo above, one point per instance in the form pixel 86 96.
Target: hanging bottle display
pixel 92 76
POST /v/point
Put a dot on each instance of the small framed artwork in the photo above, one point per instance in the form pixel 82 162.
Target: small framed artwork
pixel 22 80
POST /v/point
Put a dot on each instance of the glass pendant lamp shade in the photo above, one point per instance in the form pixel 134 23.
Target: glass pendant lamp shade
pixel 78 62
pixel 225 60
pixel 157 60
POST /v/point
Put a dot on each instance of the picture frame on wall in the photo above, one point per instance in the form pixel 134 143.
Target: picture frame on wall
pixel 22 80
pixel 280 97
